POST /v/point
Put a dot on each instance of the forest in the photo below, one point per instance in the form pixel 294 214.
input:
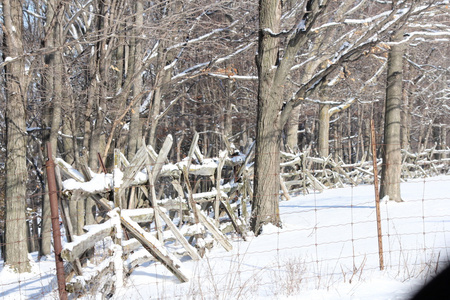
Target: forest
pixel 91 77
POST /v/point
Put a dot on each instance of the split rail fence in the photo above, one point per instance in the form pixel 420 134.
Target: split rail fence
pixel 154 210
pixel 149 209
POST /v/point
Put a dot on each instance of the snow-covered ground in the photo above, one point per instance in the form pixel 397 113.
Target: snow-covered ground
pixel 327 249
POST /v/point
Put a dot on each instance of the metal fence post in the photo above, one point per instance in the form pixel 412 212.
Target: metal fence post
pixel 377 196
pixel 53 195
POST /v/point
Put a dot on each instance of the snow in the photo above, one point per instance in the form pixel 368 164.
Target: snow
pixel 118 177
pixel 99 183
pixel 327 249
pixel 73 172
pixel 367 20
pixel 9 59
pixel 92 230
pixel 301 26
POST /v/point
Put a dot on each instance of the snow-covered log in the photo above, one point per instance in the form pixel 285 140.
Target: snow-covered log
pixel 80 244
pixel 139 215
pixel 96 278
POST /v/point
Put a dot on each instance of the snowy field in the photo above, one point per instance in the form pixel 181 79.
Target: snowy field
pixel 327 249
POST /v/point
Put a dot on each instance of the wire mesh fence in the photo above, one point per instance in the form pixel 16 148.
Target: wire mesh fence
pixel 328 243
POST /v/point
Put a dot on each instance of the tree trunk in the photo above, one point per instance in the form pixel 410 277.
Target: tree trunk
pixel 268 132
pixel 16 254
pixel 48 82
pixel 406 114
pixel 228 113
pixel 135 134
pixel 324 130
pixel 392 158
pixel 292 130
pixel 154 111
pixel 54 92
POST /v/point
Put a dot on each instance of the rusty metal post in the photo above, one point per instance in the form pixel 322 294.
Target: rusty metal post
pixel 377 196
pixel 57 245
pixel 102 165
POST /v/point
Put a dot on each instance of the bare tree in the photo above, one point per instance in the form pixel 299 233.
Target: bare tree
pixel 275 64
pixel 273 70
pixel 16 254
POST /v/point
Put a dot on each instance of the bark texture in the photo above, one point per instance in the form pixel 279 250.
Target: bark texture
pixel 16 255
pixel 392 158
pixel 268 132
pixel 324 130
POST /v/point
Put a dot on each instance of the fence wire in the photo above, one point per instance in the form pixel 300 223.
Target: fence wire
pixel 328 238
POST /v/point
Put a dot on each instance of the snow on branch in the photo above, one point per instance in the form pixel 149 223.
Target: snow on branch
pixel 352 10
pixel 239 50
pixel 367 20
pixel 200 38
pixel 34 14
pixel 341 107
pixel 202 66
pixel 234 77
pixel 75 16
pixel 169 107
pixel 278 34
pixel 316 101
pixel 153 53
pixel 440 36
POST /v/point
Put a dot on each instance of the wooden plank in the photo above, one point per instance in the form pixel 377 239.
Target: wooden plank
pixel 116 195
pixel 180 238
pixel 139 257
pixel 198 154
pixel 84 168
pixel 222 157
pixel 153 246
pixel 132 198
pixel 162 156
pixel 124 160
pixel 173 204
pixel 139 215
pixel 341 171
pixel 233 219
pixel 316 184
pixel 78 284
pixel 216 233
pixel 130 245
pixel 72 251
pixel 155 206
pixel 192 149
pixel 191 201
pixel 136 165
pixel 247 159
pixel 284 189
pixel 69 171
pixel 69 234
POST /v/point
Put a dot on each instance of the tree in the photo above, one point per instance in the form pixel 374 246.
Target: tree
pixel 53 85
pixel 16 254
pixel 267 160
pixel 392 156
pixel 275 63
pixel 135 134
pixel 273 70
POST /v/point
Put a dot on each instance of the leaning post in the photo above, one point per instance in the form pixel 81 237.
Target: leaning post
pixel 52 191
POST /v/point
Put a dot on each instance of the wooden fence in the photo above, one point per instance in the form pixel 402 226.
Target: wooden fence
pixel 148 203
